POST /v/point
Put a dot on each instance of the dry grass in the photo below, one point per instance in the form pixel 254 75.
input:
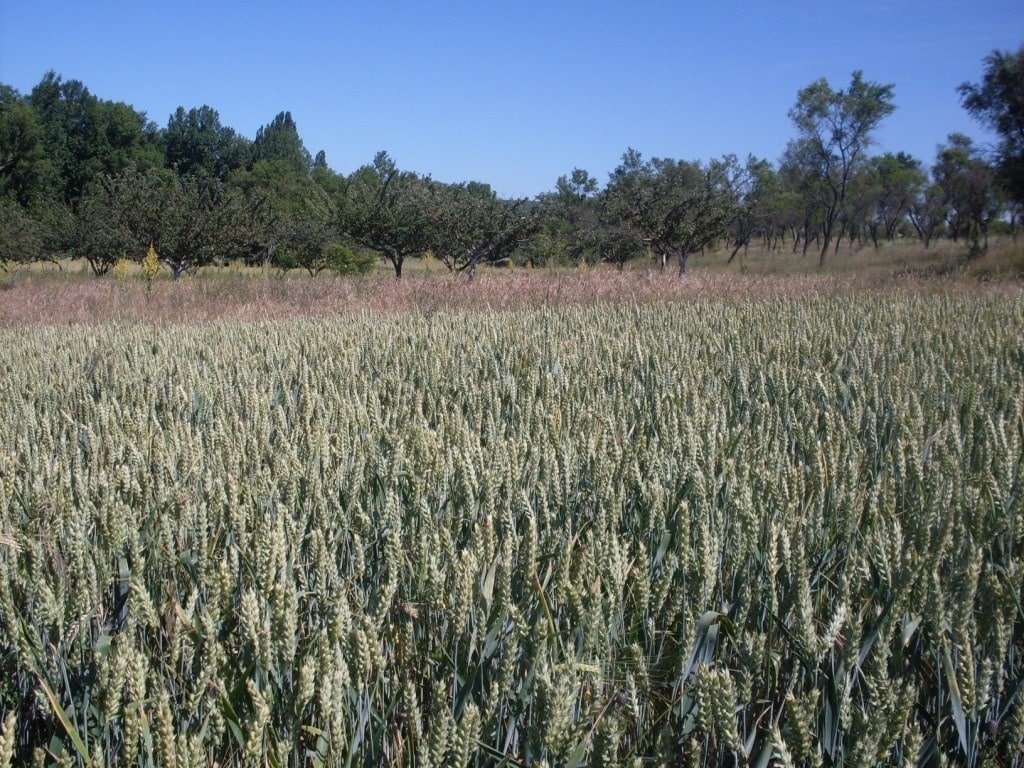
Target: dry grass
pixel 1004 259
pixel 47 296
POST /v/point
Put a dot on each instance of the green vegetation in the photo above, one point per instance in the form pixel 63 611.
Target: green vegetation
pixel 998 102
pixel 767 515
pixel 85 178
pixel 715 533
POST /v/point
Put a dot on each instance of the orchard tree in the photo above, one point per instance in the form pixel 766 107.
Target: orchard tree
pixel 969 192
pixel 96 235
pixel 471 225
pixel 998 102
pixel 674 208
pixel 835 132
pixel 755 189
pixel 21 237
pixel 190 221
pixel 384 209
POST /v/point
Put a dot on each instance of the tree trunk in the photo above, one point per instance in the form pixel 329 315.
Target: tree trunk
pixel 683 256
pixel 474 259
pixel 826 242
pixel 396 261
pixel 734 252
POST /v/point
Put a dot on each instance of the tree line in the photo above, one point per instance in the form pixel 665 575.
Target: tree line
pixel 86 178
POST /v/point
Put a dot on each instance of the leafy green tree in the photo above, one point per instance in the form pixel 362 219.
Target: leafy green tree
pixel 124 138
pixel 85 138
pixel 857 221
pixel 22 239
pixel 569 222
pixel 333 183
pixel 473 226
pixel 899 181
pixel 575 197
pixel 195 142
pixel 296 216
pixel 23 163
pixel 835 131
pixel 190 221
pixel 970 194
pixel 673 208
pixel 348 260
pixel 755 189
pixel 384 210
pixel 804 194
pixel 95 234
pixel 998 102
pixel 279 140
pixel 928 212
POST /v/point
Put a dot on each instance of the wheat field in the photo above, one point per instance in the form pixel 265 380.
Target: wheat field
pixel 751 532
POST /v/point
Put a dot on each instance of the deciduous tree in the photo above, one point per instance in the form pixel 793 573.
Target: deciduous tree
pixel 383 209
pixel 568 222
pixel 998 102
pixel 898 181
pixel 23 161
pixel 755 190
pixel 85 138
pixel 968 185
pixel 196 143
pixel 835 131
pixel 21 237
pixel 473 226
pixel 928 212
pixel 279 140
pixel 296 220
pixel 190 221
pixel 675 208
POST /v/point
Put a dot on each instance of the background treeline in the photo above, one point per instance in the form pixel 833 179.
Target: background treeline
pixel 86 178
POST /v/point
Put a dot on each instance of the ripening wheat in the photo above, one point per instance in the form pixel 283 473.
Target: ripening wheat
pixel 707 533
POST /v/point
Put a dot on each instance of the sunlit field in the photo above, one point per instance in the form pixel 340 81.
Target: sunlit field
pixel 562 518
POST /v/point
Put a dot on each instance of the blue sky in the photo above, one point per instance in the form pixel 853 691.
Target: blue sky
pixel 516 94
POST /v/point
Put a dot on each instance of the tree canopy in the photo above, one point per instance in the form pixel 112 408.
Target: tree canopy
pixel 85 178
pixel 675 208
pixel 998 102
pixel 383 209
pixel 195 142
pixel 835 132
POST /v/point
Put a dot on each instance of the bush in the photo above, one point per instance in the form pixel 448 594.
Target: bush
pixel 350 261
pixel 336 256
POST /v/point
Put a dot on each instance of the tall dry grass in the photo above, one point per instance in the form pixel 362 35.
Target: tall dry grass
pixel 244 297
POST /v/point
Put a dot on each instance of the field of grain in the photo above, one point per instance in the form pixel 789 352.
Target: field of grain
pixel 783 531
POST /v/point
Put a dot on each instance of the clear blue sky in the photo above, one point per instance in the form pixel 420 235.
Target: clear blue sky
pixel 516 94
